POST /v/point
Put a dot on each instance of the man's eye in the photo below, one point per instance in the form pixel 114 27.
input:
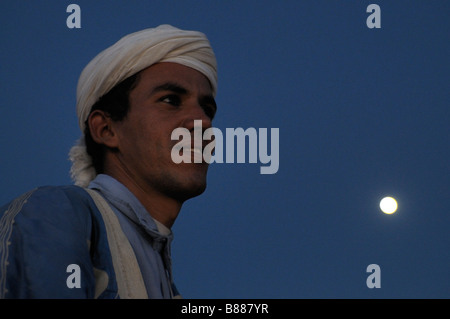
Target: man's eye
pixel 171 99
pixel 209 111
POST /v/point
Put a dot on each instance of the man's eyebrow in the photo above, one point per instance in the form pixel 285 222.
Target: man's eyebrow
pixel 170 86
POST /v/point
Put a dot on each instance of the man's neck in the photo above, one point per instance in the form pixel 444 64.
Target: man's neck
pixel 161 207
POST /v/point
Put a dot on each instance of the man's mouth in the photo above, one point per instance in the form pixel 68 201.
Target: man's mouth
pixel 193 150
pixel 190 154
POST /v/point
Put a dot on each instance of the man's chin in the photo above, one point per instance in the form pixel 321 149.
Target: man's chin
pixel 185 192
pixel 194 192
pixel 191 182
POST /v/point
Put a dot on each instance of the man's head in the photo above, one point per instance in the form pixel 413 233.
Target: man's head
pixel 132 96
pixel 137 145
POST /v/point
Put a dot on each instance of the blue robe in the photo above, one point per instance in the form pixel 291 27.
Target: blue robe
pixel 46 231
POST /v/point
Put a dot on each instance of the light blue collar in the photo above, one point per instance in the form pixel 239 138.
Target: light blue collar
pixel 123 200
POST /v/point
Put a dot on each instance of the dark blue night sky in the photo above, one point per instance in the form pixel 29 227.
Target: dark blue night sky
pixel 362 114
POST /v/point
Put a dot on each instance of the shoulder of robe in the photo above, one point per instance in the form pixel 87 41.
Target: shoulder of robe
pixel 42 232
pixel 51 204
pixel 61 213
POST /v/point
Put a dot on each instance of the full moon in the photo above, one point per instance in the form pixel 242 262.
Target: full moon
pixel 388 205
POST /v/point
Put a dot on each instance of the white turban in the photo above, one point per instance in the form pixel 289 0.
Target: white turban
pixel 129 55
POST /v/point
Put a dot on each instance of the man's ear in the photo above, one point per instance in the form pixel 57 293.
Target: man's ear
pixel 101 128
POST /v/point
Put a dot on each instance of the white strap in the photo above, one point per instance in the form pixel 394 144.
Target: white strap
pixel 128 274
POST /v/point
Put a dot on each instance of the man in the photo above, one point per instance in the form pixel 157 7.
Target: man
pixel 109 235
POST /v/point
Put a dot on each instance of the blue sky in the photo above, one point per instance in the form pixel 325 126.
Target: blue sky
pixel 362 114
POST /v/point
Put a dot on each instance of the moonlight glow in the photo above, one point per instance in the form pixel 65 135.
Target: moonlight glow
pixel 388 205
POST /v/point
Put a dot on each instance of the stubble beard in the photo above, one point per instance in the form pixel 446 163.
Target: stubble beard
pixel 183 182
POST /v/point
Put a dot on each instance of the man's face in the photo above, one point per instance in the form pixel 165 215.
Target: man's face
pixel 167 96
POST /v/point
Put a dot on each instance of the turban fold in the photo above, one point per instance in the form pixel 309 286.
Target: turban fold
pixel 128 56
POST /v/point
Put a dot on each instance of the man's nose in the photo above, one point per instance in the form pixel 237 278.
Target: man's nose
pixel 196 112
